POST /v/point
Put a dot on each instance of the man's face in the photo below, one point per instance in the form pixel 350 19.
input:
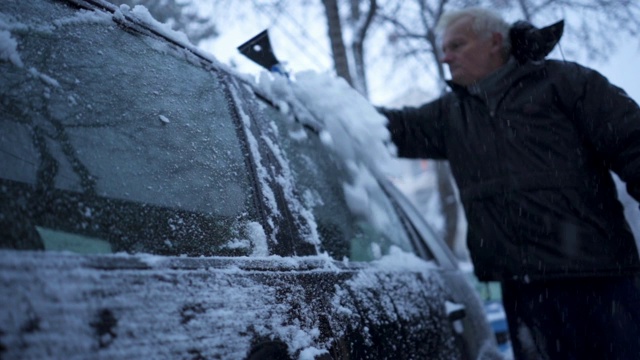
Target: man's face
pixel 470 57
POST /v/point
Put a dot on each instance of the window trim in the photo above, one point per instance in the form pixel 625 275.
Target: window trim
pixel 430 243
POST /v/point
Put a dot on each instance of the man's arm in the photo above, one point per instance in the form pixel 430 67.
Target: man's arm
pixel 419 132
pixel 610 120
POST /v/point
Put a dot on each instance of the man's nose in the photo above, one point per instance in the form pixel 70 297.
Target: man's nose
pixel 446 57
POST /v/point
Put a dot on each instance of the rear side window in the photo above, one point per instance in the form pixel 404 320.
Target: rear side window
pixel 321 176
pixel 114 141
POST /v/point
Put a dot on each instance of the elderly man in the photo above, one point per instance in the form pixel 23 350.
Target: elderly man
pixel 531 143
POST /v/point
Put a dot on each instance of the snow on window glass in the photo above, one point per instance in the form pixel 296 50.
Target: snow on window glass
pixel 350 212
pixel 124 143
pixel 268 193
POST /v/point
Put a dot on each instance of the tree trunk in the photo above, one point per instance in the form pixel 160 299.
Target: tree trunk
pixel 338 49
pixel 358 48
pixel 448 203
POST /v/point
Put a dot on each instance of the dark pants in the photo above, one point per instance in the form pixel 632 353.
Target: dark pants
pixel 573 319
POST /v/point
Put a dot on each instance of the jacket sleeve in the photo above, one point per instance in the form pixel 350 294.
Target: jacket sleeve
pixel 610 120
pixel 419 132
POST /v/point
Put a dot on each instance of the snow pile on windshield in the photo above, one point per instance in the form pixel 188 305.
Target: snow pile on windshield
pixel 350 126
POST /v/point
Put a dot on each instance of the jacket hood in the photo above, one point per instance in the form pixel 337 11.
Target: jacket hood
pixel 529 43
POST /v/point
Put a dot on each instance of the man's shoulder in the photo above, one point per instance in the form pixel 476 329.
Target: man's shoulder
pixel 566 67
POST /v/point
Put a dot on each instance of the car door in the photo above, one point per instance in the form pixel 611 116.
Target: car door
pixel 400 306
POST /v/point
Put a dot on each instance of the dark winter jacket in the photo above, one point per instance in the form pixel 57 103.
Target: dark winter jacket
pixel 530 148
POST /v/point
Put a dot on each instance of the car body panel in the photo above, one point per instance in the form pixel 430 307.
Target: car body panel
pixel 132 306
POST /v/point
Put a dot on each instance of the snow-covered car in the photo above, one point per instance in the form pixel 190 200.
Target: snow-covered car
pixel 154 204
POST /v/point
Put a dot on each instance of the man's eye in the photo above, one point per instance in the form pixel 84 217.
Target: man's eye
pixel 455 46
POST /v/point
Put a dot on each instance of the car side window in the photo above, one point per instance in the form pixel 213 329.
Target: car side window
pixel 116 141
pixel 321 176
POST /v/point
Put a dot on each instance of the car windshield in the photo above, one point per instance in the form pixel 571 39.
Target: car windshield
pixel 321 176
pixel 125 146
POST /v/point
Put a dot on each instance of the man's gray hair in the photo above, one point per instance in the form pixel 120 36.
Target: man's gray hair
pixel 485 22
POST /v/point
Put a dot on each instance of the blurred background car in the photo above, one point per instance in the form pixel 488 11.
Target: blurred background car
pixel 490 293
pixel 155 204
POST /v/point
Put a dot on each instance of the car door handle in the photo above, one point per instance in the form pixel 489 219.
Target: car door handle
pixel 455 311
pixel 455 314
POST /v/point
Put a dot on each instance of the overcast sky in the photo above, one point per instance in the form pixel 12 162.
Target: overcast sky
pixel 623 68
